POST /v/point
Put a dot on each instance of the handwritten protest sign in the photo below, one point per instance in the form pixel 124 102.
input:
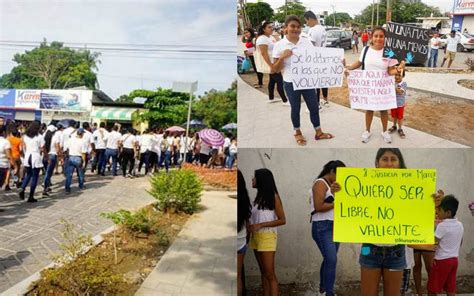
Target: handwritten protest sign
pixel 388 206
pixel 371 90
pixel 407 43
pixel 317 67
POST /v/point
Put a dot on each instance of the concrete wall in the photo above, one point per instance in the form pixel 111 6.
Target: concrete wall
pixel 297 258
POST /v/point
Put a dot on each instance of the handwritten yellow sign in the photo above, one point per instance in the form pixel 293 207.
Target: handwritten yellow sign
pixel 386 206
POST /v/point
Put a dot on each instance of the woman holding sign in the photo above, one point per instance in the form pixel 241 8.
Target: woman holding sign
pixel 383 261
pixel 322 217
pixel 282 53
pixel 371 58
pixel 267 214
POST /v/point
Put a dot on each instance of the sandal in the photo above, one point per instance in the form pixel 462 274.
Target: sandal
pixel 392 129
pixel 323 136
pixel 300 140
pixel 258 85
pixel 401 133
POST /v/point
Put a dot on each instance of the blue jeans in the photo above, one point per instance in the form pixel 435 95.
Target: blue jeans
pixel 32 174
pixel 74 163
pixel 99 161
pixel 229 162
pixel 108 154
pixel 372 256
pixel 433 58
pixel 309 96
pixel 322 232
pixel 166 158
pixel 53 159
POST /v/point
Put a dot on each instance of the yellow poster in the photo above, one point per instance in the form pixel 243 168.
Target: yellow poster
pixel 385 206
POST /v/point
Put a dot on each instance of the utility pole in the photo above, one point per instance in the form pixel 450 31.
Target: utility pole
pixel 378 4
pixel 373 8
pixel 334 14
pixel 389 13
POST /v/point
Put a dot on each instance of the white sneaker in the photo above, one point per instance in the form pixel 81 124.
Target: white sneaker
pixel 325 103
pixel 273 101
pixel 365 136
pixel 386 137
pixel 286 104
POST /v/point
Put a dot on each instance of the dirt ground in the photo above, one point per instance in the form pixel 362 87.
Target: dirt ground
pixel 448 118
pixel 138 254
pixel 217 177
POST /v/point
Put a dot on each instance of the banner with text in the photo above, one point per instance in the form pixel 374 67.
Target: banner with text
pixel 385 206
pixel 317 67
pixel 68 100
pixel 406 43
pixel 371 90
pixel 27 99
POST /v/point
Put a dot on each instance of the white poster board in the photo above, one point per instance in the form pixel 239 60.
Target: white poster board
pixel 27 99
pixel 317 67
pixel 371 90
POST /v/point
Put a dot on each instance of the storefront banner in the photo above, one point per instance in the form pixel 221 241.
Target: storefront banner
pixel 66 100
pixel 463 7
pixel 27 98
pixel 7 114
pixel 7 98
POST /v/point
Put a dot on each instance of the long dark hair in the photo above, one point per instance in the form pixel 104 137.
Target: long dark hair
pixel 331 166
pixel 261 29
pixel 244 208
pixel 266 189
pixel 47 140
pixel 33 129
pixel 395 151
pixel 252 35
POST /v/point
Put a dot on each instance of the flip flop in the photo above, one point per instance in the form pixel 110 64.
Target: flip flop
pixel 257 85
pixel 401 133
pixel 300 140
pixel 323 136
pixel 392 129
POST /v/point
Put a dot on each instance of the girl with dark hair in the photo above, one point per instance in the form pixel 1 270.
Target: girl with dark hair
pixel 355 42
pixel 385 262
pixel 282 53
pixel 265 42
pixel 33 143
pixel 267 214
pixel 322 217
pixel 371 58
pixel 244 210
pixel 249 40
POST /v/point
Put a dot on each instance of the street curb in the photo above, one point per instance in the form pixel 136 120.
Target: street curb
pixel 437 93
pixel 23 287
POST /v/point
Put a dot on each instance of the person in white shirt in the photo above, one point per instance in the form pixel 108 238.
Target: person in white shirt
pixel 98 138
pixel 265 42
pixel 51 148
pixel 282 53
pixel 166 148
pixel 448 236
pixel 434 47
pixel 176 140
pixel 5 156
pixel 60 155
pixel 451 47
pixel 232 154
pixel 33 146
pixel 145 143
pixel 127 142
pixel 77 151
pixel 111 151
pixel 155 156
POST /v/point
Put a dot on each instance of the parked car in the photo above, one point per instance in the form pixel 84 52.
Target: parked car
pixel 466 41
pixel 339 39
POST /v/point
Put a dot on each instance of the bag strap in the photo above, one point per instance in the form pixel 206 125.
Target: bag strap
pixel 363 57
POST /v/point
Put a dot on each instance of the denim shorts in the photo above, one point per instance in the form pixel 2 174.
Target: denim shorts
pixel 242 250
pixel 392 258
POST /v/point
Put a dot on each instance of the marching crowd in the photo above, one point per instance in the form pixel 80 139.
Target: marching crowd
pixel 26 150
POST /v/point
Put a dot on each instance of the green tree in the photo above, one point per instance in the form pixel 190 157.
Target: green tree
pixel 402 12
pixel 124 99
pixel 341 18
pixel 258 12
pixel 54 67
pixel 295 8
pixel 217 108
pixel 164 107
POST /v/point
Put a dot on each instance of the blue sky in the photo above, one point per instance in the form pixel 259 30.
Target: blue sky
pixel 204 24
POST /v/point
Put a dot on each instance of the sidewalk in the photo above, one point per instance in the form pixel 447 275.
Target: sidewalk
pixel 263 125
pixel 443 83
pixel 201 261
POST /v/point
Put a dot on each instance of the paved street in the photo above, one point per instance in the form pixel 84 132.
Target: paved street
pixel 202 260
pixel 30 233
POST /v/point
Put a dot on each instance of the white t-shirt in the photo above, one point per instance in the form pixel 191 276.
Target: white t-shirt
pixel 155 144
pixel 56 139
pixel 433 41
pixel 452 43
pixel 78 146
pixel 66 136
pixel 321 216
pixel 87 138
pixel 60 135
pixel 4 145
pixel 261 216
pixel 33 149
pixel 205 149
pixel 233 148
pixel 374 60
pixel 98 137
pixel 281 46
pixel 449 232
pixel 317 35
pixel 269 42
pixel 128 141
pixel 112 139
pixel 146 141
